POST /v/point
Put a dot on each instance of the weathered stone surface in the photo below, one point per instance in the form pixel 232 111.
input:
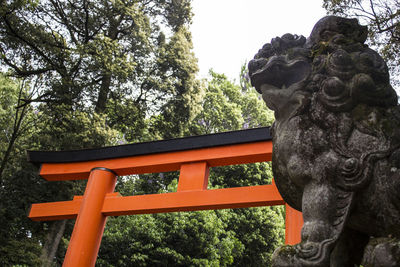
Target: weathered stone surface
pixel 336 143
pixel 383 252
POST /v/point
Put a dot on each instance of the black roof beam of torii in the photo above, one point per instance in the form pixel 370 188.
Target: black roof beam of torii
pixel 153 147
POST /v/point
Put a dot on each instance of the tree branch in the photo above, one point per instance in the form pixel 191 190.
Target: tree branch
pixel 19 116
pixel 30 44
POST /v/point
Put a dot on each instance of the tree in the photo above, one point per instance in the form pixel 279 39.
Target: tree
pixel 91 51
pixel 15 124
pixel 240 237
pixel 106 73
pixel 383 20
pixel 89 59
pixel 24 241
pixel 12 117
pixel 178 239
pixel 227 107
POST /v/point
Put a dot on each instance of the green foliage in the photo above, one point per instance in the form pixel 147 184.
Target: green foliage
pixel 8 99
pixel 128 119
pixel 225 107
pixel 16 230
pixel 36 127
pixel 240 237
pixel 69 129
pixel 94 51
pixel 101 71
pixel 24 253
pixel 260 231
pixel 92 74
pixel 176 64
pixel 174 239
pixel 241 175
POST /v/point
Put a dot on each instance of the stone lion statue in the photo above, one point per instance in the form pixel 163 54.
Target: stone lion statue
pixel 336 144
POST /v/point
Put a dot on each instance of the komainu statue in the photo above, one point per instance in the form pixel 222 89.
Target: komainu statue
pixel 336 138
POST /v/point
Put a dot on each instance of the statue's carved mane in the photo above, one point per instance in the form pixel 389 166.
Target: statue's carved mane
pixel 334 85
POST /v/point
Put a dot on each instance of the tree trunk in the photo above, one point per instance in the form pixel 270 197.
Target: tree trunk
pixel 53 239
pixel 14 136
pixel 103 93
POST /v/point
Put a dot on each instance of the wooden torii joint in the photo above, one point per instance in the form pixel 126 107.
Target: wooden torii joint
pixel 192 156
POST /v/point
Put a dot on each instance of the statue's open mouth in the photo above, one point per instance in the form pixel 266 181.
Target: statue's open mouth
pixel 278 73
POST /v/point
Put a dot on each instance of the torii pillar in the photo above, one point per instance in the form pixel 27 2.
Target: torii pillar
pixel 192 156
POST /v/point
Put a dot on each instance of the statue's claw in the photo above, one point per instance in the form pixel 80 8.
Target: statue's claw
pixel 285 256
pixel 307 250
pixel 382 252
pixel 307 254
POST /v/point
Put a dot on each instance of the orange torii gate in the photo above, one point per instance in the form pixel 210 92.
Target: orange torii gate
pixel 192 156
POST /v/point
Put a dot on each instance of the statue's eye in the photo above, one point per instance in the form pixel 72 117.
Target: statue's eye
pixel 339 39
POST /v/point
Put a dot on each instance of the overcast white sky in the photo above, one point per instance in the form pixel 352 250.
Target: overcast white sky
pixel 227 33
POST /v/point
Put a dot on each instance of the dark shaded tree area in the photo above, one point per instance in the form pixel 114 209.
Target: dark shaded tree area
pixel 82 74
pixel 383 20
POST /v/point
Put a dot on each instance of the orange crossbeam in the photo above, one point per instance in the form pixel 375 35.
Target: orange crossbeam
pixel 161 162
pixel 114 205
pixel 99 200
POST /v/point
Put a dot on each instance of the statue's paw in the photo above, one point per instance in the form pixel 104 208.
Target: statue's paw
pixel 285 256
pixel 307 254
pixel 307 250
pixel 382 252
